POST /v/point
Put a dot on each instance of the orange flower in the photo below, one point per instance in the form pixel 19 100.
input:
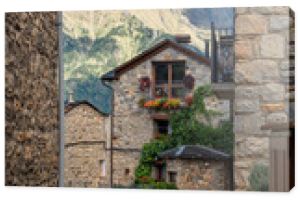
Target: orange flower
pixel 163 102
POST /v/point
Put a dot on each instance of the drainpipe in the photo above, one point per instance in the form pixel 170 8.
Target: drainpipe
pixel 111 130
pixel 214 71
pixel 61 99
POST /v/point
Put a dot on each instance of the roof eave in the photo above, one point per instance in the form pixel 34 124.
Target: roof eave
pixel 118 71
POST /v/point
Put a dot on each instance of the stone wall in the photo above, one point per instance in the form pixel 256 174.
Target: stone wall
pixel 221 107
pixel 87 140
pixel 84 123
pixel 132 125
pixel 124 165
pixel 31 99
pixel 83 168
pixel 200 175
pixel 262 91
pixel 129 118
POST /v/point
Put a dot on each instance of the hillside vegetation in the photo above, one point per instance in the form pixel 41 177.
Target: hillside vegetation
pixel 97 41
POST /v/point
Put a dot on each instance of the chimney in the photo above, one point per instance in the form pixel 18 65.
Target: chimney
pixel 183 38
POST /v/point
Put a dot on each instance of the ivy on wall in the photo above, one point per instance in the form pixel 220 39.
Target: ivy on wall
pixel 190 126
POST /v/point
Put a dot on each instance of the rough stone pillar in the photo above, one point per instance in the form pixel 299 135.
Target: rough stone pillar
pixel 31 99
pixel 262 71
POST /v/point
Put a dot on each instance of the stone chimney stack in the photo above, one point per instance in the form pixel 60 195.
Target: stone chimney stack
pixel 183 38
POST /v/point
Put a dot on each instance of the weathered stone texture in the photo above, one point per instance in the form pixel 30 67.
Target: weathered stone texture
pixel 199 175
pixel 31 63
pixel 220 106
pixel 132 131
pixel 87 158
pixel 279 23
pixel 31 94
pixel 273 46
pixel 124 165
pixel 251 24
pixel 256 71
pixel 31 158
pixel 82 166
pixel 84 123
pixel 261 91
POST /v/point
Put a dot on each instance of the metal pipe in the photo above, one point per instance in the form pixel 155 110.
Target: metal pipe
pixel 61 99
pixel 111 131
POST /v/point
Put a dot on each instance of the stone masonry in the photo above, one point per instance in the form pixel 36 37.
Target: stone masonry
pixel 199 174
pixel 31 99
pixel 261 109
pixel 132 125
pixel 87 147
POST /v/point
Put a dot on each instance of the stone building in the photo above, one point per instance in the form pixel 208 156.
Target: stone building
pixel 157 72
pixel 87 143
pixel 195 167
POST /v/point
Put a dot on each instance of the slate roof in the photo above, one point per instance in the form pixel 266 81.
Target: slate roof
pixel 71 106
pixel 193 152
pixel 183 48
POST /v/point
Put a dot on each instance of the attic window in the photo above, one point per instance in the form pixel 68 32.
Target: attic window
pixel 168 78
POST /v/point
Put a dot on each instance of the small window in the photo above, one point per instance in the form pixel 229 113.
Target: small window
pixel 172 177
pixel 162 127
pixel 102 167
pixel 127 171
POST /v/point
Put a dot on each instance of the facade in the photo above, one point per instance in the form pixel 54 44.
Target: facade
pixel 165 66
pixel 195 167
pixel 87 143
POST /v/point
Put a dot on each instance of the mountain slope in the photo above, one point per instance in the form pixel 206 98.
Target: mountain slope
pixel 97 41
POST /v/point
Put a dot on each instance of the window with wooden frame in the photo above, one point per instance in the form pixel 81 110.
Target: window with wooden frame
pixel 168 79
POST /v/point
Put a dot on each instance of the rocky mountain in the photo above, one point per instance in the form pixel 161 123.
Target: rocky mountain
pixel 97 41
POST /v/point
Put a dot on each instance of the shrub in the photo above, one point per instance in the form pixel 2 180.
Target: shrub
pixel 258 178
pixel 156 185
pixel 148 156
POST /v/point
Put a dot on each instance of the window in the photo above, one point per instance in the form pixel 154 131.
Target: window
pixel 172 177
pixel 168 78
pixel 102 167
pixel 127 171
pixel 162 127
